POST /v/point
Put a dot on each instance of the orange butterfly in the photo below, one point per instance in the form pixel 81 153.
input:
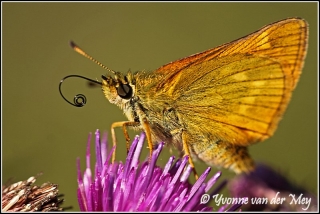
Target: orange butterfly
pixel 214 104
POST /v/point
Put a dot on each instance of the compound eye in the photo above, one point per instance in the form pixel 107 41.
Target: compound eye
pixel 124 91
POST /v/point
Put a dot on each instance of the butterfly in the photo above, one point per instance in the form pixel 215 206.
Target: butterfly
pixel 213 105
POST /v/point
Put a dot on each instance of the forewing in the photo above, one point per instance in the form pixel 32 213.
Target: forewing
pixel 242 87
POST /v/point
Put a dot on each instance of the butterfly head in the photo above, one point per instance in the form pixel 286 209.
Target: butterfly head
pixel 118 89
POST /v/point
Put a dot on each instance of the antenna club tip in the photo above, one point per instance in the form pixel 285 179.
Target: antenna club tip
pixel 72 44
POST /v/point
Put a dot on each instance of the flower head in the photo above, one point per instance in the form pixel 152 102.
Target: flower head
pixel 131 186
pixel 275 192
pixel 23 196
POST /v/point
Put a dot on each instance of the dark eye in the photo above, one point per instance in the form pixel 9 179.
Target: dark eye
pixel 124 91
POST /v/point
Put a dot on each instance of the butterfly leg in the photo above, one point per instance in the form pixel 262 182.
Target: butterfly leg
pixel 122 124
pixel 186 149
pixel 147 129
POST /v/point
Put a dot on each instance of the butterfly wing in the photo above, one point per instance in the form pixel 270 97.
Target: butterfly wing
pixel 239 90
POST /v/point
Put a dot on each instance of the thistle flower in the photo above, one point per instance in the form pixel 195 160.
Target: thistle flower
pixel 273 190
pixel 131 186
pixel 23 196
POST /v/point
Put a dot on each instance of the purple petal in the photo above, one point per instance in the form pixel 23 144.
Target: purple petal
pixel 139 187
pixel 98 153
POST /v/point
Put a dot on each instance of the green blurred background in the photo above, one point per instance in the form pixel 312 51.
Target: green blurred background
pixel 43 133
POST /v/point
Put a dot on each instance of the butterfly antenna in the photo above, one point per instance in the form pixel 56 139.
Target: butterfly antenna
pixel 80 51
